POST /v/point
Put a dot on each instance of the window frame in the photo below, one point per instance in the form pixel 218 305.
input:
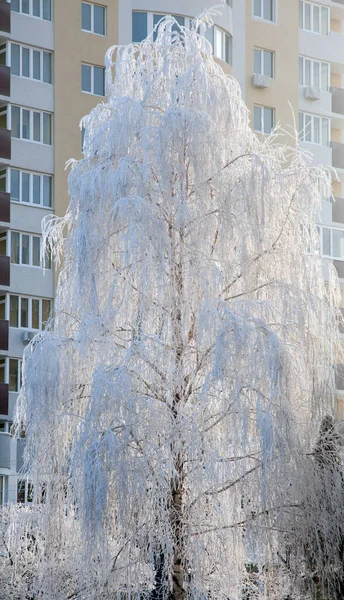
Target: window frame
pixel 5 364
pixel 31 175
pixel 31 50
pixel 303 132
pixel 331 229
pixel 30 264
pixel 262 120
pixel 187 23
pixel 320 63
pixel 92 5
pixel 262 18
pixel 30 13
pixel 262 51
pixel 31 112
pixel 92 92
pixel 312 5
pixel 30 300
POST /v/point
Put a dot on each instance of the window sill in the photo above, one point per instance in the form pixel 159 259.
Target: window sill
pixel 262 20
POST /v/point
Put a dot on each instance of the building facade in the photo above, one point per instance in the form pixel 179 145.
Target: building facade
pixel 288 56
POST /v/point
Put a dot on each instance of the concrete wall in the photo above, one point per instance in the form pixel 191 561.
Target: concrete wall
pixel 73 47
pixel 280 37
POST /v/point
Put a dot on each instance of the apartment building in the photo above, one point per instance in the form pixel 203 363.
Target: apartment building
pixel 288 56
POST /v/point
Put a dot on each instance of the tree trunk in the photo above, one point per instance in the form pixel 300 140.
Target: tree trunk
pixel 178 590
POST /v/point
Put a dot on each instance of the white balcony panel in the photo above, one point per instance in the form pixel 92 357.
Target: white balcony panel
pixel 32 281
pixel 320 107
pixel 328 48
pixel 32 156
pixel 27 217
pixel 33 94
pixel 16 346
pixel 5 450
pixel 12 399
pixel 192 8
pixel 32 31
pixel 322 155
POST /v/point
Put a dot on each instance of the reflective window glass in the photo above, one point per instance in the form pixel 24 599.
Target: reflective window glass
pixel 86 16
pixel 35 314
pixel 86 78
pixel 47 191
pixel 139 25
pixel 15 175
pixel 36 189
pixel 25 249
pixel 15 121
pixel 36 60
pixel 99 81
pixel 15 247
pixel 25 124
pixel 25 196
pixel 36 251
pixel 99 19
pixel 14 311
pixel 37 127
pixel 47 67
pixel 15 59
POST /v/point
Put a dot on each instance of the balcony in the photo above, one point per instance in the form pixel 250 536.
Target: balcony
pixel 3 398
pixel 5 19
pixel 338 210
pixel 337 99
pixel 337 155
pixel 5 270
pixel 5 450
pixel 4 330
pixel 20 454
pixel 5 207
pixel 5 81
pixel 5 144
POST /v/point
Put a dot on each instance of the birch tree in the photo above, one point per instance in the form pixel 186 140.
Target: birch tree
pixel 172 405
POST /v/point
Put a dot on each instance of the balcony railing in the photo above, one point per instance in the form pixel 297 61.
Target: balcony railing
pixel 5 81
pixel 5 207
pixel 338 99
pixel 337 155
pixel 4 329
pixel 5 143
pixel 5 450
pixel 3 398
pixel 5 270
pixel 5 16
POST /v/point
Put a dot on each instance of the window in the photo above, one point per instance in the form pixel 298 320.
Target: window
pixel 222 47
pixel 314 72
pixel 313 17
pixel 139 25
pixel 10 373
pixel 15 374
pixel 314 129
pixel 93 79
pixel 41 9
pixel 29 313
pixel 31 188
pixel 26 250
pixel 332 243
pixel 264 9
pixel 31 125
pixel 3 489
pixel 31 63
pixel 24 491
pixel 263 119
pixel 143 24
pixel 264 62
pixel 93 18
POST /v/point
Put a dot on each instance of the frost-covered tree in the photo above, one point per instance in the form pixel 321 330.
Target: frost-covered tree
pixel 172 406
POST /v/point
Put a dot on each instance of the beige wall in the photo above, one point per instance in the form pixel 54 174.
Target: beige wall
pixel 281 38
pixel 72 47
